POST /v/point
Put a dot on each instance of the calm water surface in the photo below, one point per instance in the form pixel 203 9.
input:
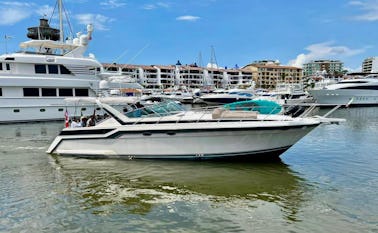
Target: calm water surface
pixel 328 182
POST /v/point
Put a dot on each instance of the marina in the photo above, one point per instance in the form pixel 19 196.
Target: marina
pixel 131 145
pixel 327 181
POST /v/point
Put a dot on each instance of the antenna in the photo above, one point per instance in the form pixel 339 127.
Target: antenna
pixel 200 62
pixel 6 38
pixel 61 20
pixel 213 58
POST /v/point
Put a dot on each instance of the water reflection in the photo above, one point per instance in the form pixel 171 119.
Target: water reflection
pixel 141 185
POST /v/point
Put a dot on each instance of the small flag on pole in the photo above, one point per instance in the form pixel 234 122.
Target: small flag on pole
pixel 66 118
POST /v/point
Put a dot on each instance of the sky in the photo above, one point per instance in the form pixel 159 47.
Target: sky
pixel 238 32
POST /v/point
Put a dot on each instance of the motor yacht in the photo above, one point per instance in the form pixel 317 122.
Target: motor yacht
pixel 354 92
pixel 168 132
pixel 35 81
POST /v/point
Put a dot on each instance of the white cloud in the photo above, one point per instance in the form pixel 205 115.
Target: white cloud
pixel 369 8
pixel 45 11
pixel 14 12
pixel 326 50
pixel 156 6
pixel 188 18
pixel 11 16
pixel 112 4
pixel 149 7
pixel 99 21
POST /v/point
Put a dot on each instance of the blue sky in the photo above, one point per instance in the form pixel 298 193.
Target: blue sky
pixel 240 31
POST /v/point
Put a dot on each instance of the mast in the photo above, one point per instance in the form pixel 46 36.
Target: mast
pixel 61 34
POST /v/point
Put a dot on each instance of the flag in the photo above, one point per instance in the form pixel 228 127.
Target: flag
pixel 66 118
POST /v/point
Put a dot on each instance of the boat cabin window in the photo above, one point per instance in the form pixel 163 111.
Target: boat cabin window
pixel 53 69
pixel 8 66
pixel 81 92
pixel 31 92
pixel 64 70
pixel 1 66
pixel 65 92
pixel 1 92
pixel 40 69
pixel 48 92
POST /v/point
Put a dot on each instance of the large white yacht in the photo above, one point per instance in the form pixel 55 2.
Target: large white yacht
pixel 355 92
pixel 35 81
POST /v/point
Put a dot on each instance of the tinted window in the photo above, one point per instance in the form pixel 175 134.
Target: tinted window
pixel 40 69
pixel 81 92
pixel 53 69
pixel 64 70
pixel 8 66
pixel 31 92
pixel 65 92
pixel 1 66
pixel 1 92
pixel 48 92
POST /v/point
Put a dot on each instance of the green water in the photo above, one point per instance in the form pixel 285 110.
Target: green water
pixel 325 183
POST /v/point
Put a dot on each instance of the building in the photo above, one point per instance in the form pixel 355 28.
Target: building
pixel 332 68
pixel 370 65
pixel 189 76
pixel 267 75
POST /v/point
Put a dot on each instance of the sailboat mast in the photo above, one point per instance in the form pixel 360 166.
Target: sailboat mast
pixel 60 6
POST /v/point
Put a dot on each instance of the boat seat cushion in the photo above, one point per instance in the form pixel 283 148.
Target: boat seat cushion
pixel 219 113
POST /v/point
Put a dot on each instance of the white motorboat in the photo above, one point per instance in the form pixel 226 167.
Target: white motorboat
pixel 355 92
pixel 185 134
pixel 286 94
pixel 221 96
pixel 184 97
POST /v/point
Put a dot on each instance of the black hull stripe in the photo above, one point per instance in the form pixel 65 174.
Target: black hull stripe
pixel 261 154
pixel 174 131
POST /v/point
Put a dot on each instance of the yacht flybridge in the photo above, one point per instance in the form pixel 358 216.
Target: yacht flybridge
pixel 35 81
pixel 169 132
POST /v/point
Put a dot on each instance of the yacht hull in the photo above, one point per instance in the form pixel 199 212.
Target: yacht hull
pixel 345 96
pixel 197 143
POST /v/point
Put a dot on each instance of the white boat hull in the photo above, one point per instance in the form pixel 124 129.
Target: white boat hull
pixel 183 144
pixel 345 96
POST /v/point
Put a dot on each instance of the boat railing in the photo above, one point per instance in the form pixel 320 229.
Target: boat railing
pixel 168 108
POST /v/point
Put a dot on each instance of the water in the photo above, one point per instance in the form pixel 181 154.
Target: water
pixel 327 182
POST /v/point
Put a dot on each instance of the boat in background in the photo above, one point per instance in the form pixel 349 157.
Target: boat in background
pixel 350 92
pixel 286 94
pixel 221 96
pixel 215 134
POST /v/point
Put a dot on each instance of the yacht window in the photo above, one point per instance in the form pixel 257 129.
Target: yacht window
pixel 8 66
pixel 64 70
pixel 53 69
pixel 65 92
pixel 42 110
pixel 16 110
pixel 48 92
pixel 1 92
pixel 60 109
pixel 31 92
pixel 81 92
pixel 1 66
pixel 40 69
